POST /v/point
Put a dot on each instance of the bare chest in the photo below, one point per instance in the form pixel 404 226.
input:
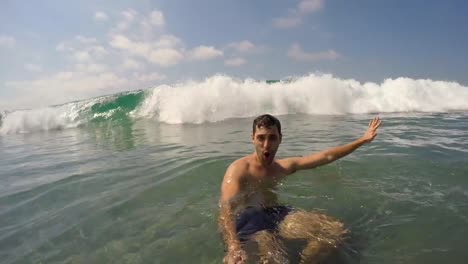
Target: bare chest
pixel 263 179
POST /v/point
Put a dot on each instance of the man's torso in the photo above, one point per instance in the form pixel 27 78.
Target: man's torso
pixel 259 184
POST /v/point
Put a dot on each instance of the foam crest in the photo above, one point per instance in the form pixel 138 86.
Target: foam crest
pixel 49 118
pixel 111 107
pixel 409 95
pixel 221 97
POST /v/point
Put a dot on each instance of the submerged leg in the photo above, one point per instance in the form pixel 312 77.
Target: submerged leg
pixel 316 251
pixel 322 233
pixel 271 250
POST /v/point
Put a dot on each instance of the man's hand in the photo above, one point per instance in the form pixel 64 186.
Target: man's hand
pixel 235 256
pixel 371 132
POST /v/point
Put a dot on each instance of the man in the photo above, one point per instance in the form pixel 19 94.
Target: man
pixel 249 210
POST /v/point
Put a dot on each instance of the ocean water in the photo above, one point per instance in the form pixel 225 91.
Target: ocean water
pixel 135 177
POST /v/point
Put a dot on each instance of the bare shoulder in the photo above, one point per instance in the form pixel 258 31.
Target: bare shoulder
pixel 288 165
pixel 233 179
pixel 239 166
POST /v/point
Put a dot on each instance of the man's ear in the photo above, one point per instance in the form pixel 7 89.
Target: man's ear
pixel 252 137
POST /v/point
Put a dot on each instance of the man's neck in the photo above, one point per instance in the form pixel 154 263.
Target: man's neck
pixel 258 163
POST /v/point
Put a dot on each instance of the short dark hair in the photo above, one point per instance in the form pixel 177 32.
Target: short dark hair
pixel 266 121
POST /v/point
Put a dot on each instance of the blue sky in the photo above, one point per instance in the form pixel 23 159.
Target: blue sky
pixel 56 51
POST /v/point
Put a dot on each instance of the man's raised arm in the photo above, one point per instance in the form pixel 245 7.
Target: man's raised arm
pixel 230 191
pixel 330 155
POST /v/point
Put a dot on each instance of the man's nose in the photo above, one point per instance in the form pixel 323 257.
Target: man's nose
pixel 266 143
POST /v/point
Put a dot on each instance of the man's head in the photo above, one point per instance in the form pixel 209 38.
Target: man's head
pixel 266 137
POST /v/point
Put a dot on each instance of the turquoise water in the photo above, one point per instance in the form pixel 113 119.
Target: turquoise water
pixel 134 190
pixel 135 177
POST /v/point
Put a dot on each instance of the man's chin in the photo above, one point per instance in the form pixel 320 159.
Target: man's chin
pixel 267 161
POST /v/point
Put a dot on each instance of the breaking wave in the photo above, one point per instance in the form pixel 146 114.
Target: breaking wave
pixel 221 97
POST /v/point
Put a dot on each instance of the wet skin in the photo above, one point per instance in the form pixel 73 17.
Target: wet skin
pixel 261 172
pixel 252 181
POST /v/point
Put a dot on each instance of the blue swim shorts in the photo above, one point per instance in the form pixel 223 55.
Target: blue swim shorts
pixel 254 219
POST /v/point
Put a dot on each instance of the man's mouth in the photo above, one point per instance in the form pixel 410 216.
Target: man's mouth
pixel 266 154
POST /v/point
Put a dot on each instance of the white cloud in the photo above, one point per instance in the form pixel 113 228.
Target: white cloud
pixel 157 18
pixel 167 41
pixel 295 15
pixel 235 62
pixel 91 68
pixel 84 82
pixel 296 53
pixel 204 53
pixel 310 6
pixel 4 105
pixel 166 50
pixel 82 48
pixel 165 57
pixel 65 86
pixel 149 77
pixel 130 64
pixel 151 24
pixel 81 56
pixel 128 17
pixel 86 40
pixel 61 76
pixel 7 41
pixel 98 50
pixel 155 55
pixel 100 16
pixel 33 67
pixel 120 41
pixel 136 48
pixel 242 46
pixel 138 26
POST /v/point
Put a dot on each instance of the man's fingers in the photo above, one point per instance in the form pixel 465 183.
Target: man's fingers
pixel 240 261
pixel 378 124
pixel 375 122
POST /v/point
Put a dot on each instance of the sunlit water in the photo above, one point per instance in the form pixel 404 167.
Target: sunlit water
pixel 147 192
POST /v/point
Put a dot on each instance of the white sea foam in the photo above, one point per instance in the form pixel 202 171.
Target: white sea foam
pixel 221 97
pixel 25 121
pixel 44 119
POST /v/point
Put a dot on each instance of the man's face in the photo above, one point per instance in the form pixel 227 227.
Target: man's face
pixel 266 141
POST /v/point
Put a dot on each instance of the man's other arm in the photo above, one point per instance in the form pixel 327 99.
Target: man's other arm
pixel 330 155
pixel 230 191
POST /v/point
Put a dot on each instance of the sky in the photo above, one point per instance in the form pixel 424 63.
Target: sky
pixel 54 51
